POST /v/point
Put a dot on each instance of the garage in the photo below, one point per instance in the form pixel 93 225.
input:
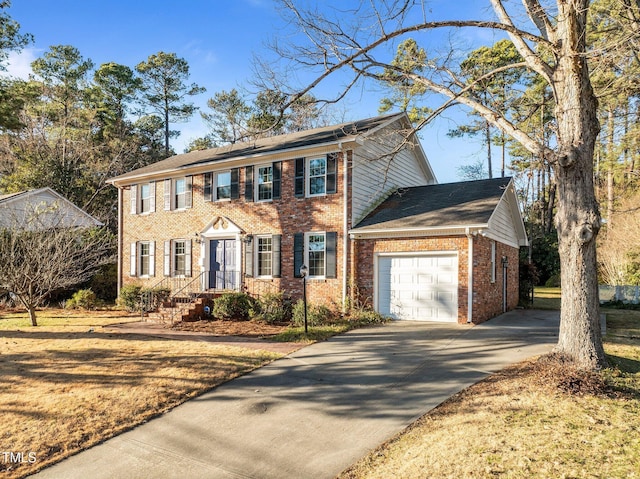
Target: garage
pixel 418 287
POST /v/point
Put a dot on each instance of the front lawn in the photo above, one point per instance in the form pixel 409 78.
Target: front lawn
pixel 536 419
pixel 69 384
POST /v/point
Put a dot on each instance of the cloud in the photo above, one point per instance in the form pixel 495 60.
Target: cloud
pixel 19 64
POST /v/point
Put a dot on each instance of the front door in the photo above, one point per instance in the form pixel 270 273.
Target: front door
pixel 223 271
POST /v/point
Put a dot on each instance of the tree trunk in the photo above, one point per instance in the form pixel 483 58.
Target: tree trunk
pixel 32 315
pixel 577 218
pixel 487 132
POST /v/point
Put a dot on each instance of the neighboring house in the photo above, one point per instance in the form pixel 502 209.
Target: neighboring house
pixel 41 209
pixel 357 203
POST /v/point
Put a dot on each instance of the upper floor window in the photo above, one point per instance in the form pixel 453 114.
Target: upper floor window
pixel 221 185
pixel 177 193
pixel 265 183
pixel 143 198
pixel 262 182
pixel 316 176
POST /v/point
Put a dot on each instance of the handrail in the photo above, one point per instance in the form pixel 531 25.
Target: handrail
pixel 188 293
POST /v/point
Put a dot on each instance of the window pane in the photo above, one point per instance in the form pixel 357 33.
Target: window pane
pixel 180 188
pixel 179 257
pixel 317 176
pixel 265 183
pixel 145 198
pixel 316 247
pixel 223 185
pixel 144 259
pixel 264 257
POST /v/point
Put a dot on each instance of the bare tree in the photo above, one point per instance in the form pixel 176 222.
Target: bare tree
pixel 42 252
pixel 550 37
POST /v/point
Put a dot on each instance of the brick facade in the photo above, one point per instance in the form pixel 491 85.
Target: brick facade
pixel 285 216
pixel 487 295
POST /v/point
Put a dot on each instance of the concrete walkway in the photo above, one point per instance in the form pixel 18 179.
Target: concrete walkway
pixel 317 411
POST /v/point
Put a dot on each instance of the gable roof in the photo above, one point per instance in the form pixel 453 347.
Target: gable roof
pixel 16 207
pixel 290 141
pixel 446 207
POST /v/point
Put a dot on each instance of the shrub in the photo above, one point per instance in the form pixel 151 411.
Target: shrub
pixel 234 306
pixel 553 281
pixel 82 299
pixel 367 316
pixel 317 314
pixel 273 308
pixel 130 297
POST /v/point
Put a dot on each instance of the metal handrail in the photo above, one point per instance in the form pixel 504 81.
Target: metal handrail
pixel 189 294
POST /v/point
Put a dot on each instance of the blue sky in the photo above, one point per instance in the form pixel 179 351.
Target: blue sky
pixel 216 37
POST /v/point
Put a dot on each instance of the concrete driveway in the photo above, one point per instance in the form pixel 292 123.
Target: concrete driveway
pixel 318 410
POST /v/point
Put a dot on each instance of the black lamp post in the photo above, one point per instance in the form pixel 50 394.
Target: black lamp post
pixel 303 272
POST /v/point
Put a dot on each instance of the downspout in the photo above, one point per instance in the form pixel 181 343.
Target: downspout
pixel 120 236
pixel 469 277
pixel 345 231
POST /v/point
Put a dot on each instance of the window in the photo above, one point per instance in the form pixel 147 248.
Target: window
pixel 265 256
pixel 317 251
pixel 177 193
pixel 315 176
pixel 262 183
pixel 142 258
pixel 180 194
pixel 223 185
pixel 177 257
pixel 316 254
pixel 265 183
pixel 143 198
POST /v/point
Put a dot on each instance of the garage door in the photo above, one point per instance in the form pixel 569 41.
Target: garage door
pixel 423 288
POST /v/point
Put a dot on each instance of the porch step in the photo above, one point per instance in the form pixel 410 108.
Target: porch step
pixel 183 309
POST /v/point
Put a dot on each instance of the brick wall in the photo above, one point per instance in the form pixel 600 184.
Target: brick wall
pixel 286 216
pixel 487 296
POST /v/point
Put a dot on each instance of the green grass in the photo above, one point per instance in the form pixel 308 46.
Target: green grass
pixel 546 298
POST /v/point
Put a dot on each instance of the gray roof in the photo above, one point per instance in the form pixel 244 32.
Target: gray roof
pixel 448 204
pixel 272 144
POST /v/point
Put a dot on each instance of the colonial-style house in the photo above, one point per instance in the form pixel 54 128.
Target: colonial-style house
pixel 356 203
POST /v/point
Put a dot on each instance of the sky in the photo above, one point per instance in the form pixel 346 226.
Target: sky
pixel 217 38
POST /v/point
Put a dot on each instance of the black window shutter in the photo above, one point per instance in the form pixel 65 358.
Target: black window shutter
pixel 277 175
pixel 331 244
pixel 235 184
pixel 248 257
pixel 208 179
pixel 276 242
pixel 299 179
pixel 298 253
pixel 248 183
pixel 331 172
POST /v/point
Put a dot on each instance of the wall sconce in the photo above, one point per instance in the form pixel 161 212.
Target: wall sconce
pixel 505 262
pixel 246 239
pixel 198 238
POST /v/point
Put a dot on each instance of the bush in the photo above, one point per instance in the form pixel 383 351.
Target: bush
pixel 367 316
pixel 273 308
pixel 317 314
pixel 130 297
pixel 553 281
pixel 234 306
pixel 82 299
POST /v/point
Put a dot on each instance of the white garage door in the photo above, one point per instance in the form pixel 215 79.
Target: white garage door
pixel 423 288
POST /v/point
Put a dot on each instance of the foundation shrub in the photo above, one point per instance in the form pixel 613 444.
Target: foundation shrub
pixel 233 306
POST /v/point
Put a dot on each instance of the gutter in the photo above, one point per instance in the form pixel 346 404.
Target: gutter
pixel 345 232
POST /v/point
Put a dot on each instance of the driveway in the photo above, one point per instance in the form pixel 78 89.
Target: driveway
pixel 317 411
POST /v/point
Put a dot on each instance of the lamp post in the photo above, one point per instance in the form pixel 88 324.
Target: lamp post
pixel 303 272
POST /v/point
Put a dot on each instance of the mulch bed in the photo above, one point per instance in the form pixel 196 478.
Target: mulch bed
pixel 219 327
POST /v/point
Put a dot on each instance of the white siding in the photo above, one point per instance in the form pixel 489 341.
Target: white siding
pixel 376 174
pixel 501 225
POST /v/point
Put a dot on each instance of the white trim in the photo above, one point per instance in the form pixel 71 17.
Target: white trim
pixel 305 258
pixel 256 257
pixel 256 183
pixel 307 176
pixel 358 233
